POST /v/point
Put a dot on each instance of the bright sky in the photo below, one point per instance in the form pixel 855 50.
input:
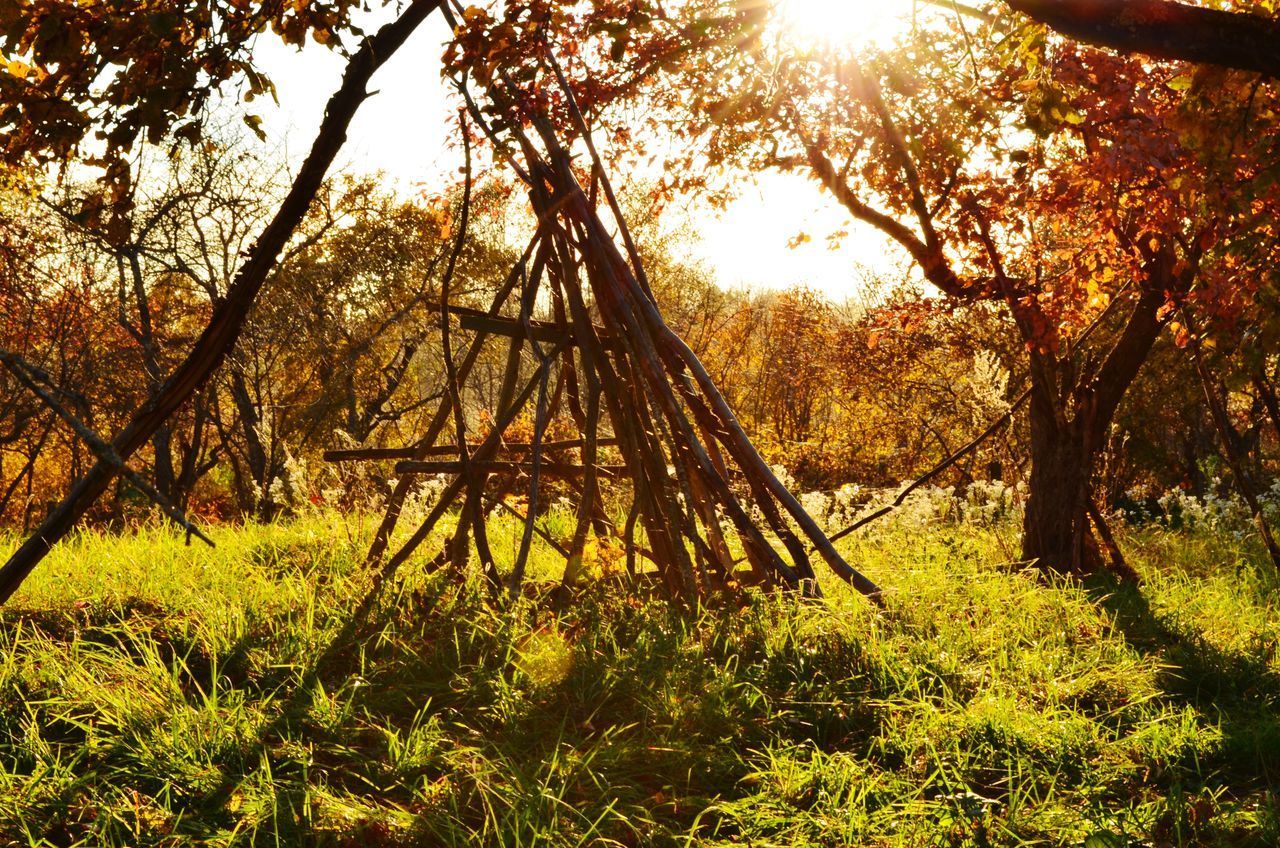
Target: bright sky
pixel 404 128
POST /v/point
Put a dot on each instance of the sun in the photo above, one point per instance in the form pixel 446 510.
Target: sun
pixel 844 24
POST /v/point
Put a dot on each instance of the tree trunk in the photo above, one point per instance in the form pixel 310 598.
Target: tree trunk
pixel 1071 413
pixel 262 470
pixel 164 477
pixel 1056 535
pixel 1266 391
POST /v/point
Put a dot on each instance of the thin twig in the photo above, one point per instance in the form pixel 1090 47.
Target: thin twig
pixel 31 377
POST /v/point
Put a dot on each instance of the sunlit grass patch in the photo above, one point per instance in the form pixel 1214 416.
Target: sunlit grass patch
pixel 154 694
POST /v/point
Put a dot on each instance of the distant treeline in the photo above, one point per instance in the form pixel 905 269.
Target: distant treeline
pixel 343 350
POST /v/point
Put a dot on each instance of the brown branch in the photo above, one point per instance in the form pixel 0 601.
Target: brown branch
pixel 455 486
pixel 395 502
pixel 933 263
pixel 499 325
pixel 1125 359
pixel 230 314
pixel 28 376
pixel 1118 565
pixel 906 163
pixel 933 472
pixel 366 454
pixel 1228 436
pixel 1165 30
pixel 1267 394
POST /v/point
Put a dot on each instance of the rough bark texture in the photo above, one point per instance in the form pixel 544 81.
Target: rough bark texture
pixel 1068 433
pixel 1055 526
pixel 1165 30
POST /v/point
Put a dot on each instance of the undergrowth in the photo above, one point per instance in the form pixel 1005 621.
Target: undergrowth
pixel 154 694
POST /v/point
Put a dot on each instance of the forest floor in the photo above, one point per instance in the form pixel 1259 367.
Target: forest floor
pixel 155 694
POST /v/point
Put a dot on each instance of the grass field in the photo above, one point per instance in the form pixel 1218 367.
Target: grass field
pixel 153 694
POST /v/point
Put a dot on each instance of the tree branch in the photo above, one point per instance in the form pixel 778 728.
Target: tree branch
pixel 228 318
pixel 1165 30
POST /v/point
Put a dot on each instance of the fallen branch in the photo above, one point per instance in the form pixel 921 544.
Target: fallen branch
pixel 942 466
pixel 991 430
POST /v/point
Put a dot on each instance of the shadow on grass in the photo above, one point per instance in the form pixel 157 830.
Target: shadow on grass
pixel 409 712
pixel 437 719
pixel 95 759
pixel 1238 689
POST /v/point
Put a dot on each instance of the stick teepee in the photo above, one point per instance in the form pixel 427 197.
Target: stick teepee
pixel 698 488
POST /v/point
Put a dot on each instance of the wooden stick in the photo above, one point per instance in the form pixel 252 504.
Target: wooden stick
pixel 28 375
pixel 946 463
pixel 371 454
pixel 1119 566
pixel 482 453
pixel 491 466
pixel 395 502
pixel 472 510
pixel 500 325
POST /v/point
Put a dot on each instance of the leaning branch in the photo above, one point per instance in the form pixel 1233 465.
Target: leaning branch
pixel 31 377
pixel 230 313
pixel 942 466
pixel 992 428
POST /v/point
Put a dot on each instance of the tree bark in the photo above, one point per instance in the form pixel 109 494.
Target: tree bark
pixel 1266 391
pixel 1055 526
pixel 1230 441
pixel 1165 30
pixel 261 470
pixel 1067 434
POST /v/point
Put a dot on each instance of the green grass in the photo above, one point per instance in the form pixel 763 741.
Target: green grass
pixel 154 694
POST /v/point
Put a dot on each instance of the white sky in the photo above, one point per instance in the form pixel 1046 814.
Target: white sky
pixel 404 130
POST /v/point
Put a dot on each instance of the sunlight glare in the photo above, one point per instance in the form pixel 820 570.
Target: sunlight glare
pixel 844 24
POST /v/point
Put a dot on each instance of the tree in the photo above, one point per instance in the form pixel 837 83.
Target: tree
pixel 85 75
pixel 74 69
pixel 51 312
pixel 1079 192
pixel 164 259
pixel 340 343
pixel 1075 188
